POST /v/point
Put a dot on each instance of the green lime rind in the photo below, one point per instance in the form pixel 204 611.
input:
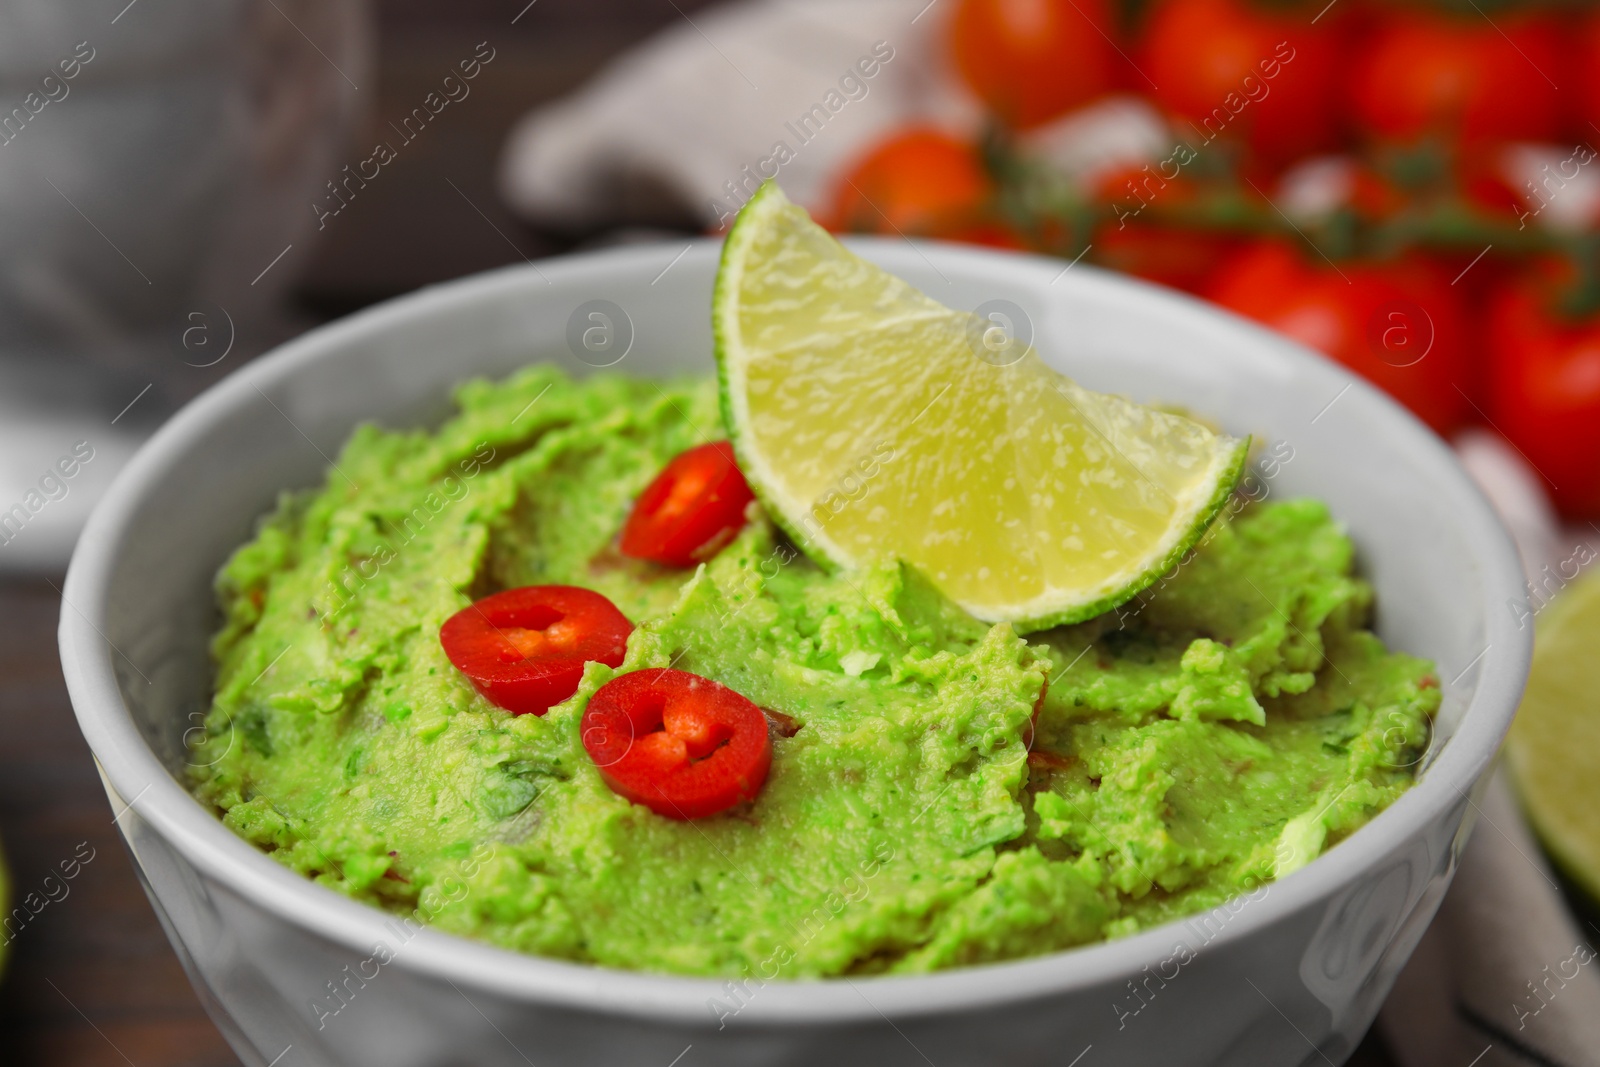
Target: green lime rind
pixel 1238 459
pixel 730 272
pixel 733 246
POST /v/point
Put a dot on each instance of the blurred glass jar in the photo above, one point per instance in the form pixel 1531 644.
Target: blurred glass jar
pixel 155 158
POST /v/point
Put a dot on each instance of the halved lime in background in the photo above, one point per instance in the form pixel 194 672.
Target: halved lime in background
pixel 1553 749
pixel 874 422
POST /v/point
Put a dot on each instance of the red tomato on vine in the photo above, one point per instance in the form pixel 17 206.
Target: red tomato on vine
pixel 1031 60
pixel 920 181
pixel 1399 324
pixel 1544 378
pixel 1168 255
pixel 1583 74
pixel 1461 76
pixel 1242 70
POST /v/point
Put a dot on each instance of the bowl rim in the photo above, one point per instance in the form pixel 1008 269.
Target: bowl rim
pixel 140 783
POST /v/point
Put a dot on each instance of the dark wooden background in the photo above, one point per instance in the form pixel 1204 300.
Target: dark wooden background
pixel 91 980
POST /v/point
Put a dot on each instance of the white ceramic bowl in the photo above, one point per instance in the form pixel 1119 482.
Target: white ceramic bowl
pixel 1293 976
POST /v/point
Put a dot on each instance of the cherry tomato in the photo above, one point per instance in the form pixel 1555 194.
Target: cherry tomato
pixel 1545 390
pixel 990 235
pixel 1583 72
pixel 1031 60
pixel 1422 73
pixel 1490 188
pixel 920 181
pixel 524 649
pixel 682 745
pixel 1399 324
pixel 694 507
pixel 1168 255
pixel 1240 70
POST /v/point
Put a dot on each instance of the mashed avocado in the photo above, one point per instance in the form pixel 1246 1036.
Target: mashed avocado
pixel 1219 731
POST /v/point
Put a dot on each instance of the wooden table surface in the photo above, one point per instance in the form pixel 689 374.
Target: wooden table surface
pixel 91 980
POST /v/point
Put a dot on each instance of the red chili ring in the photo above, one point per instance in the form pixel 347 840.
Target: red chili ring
pixel 692 508
pixel 524 649
pixel 682 745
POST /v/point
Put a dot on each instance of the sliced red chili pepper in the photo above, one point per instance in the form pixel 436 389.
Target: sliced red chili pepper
pixel 524 649
pixel 682 745
pixel 694 507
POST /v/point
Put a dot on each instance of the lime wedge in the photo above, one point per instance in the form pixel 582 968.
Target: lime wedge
pixel 1554 746
pixel 874 422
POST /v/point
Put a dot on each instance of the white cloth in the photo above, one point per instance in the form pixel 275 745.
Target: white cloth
pixel 718 92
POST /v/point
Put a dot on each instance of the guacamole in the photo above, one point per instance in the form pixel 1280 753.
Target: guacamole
pixel 925 808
